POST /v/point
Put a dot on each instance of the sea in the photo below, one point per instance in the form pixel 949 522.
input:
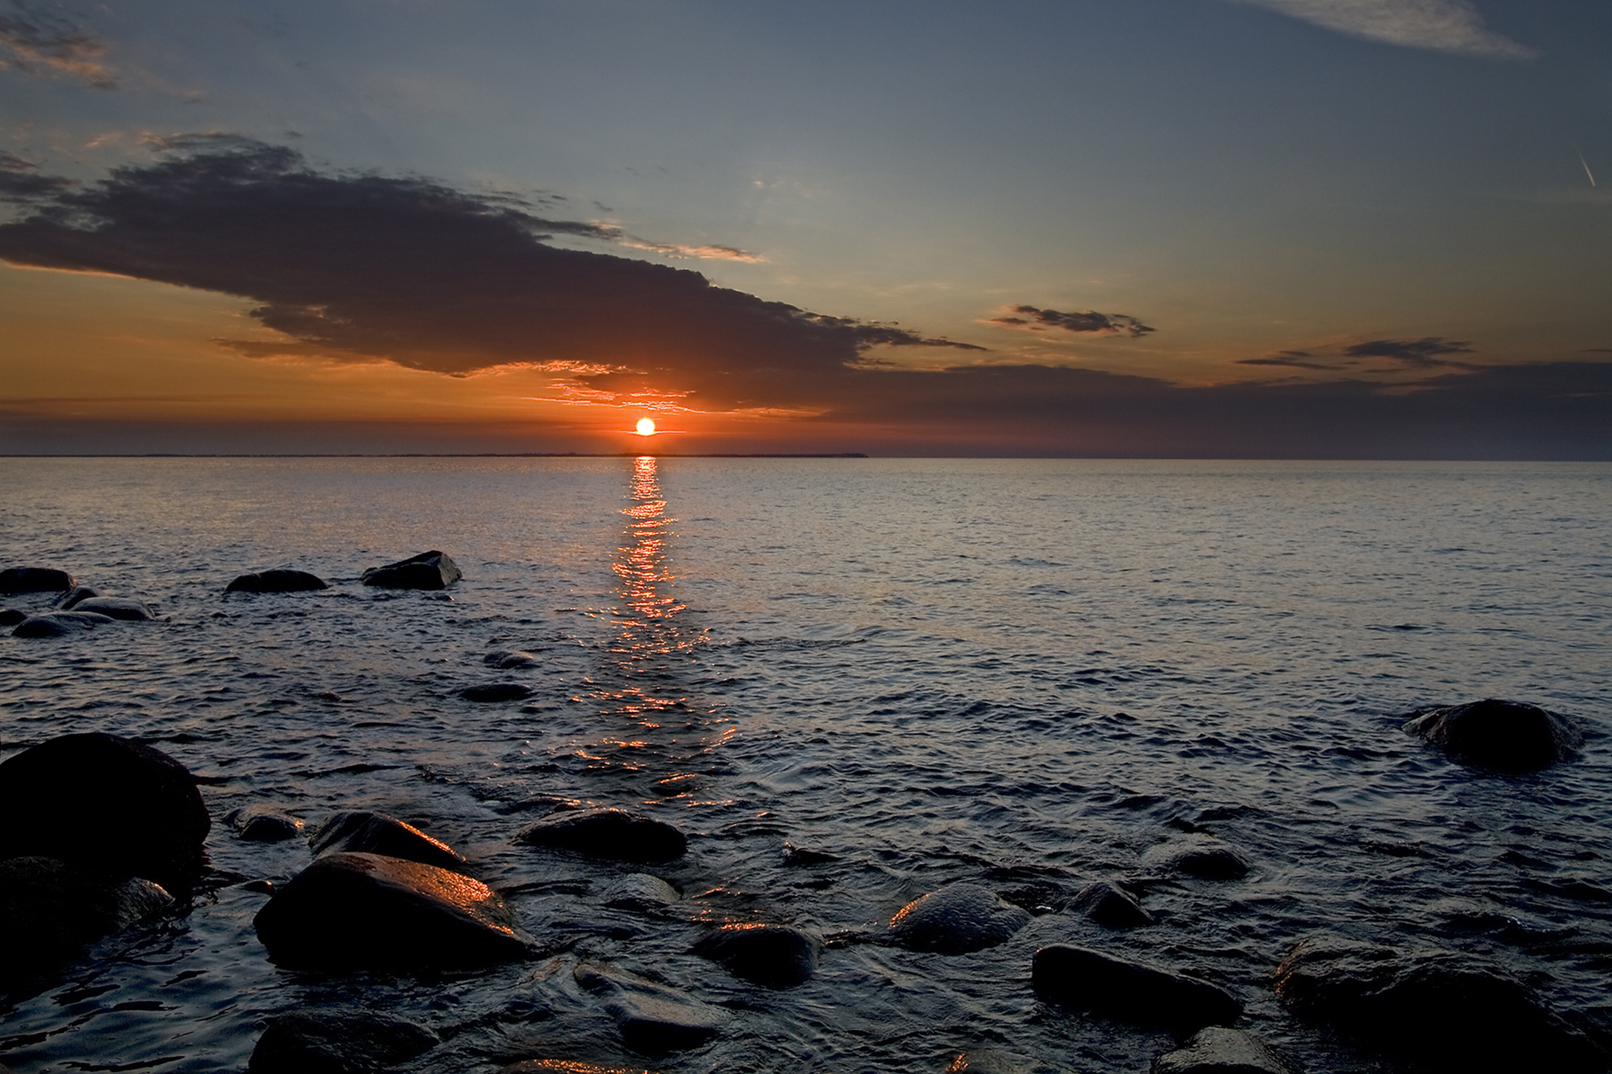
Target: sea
pixel 1019 673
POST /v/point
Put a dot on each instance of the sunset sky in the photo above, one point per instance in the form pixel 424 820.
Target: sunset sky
pixel 1209 228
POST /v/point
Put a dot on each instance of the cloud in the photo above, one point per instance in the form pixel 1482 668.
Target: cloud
pixel 1290 360
pixel 366 267
pixel 1442 25
pixel 47 46
pixel 1086 321
pixel 20 180
pixel 1426 353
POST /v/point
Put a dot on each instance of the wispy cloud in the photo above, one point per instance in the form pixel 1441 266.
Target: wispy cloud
pixel 1289 360
pixel 46 45
pixel 1442 25
pixel 1430 352
pixel 1087 322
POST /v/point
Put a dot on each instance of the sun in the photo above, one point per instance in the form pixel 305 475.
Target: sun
pixel 646 426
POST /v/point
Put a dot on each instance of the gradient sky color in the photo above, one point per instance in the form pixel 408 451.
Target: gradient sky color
pixel 1212 228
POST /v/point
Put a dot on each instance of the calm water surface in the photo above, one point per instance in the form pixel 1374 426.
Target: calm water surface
pixel 1024 674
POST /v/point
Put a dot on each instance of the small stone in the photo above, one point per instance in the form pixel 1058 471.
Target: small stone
pixel 1108 904
pixel 955 920
pixel 616 834
pixel 1199 856
pixel 640 892
pixel 774 956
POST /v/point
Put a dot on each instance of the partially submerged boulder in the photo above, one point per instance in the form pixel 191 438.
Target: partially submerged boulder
pixel 955 920
pixel 428 570
pixel 1200 856
pixel 774 956
pixel 337 1041
pixel 1129 991
pixel 496 691
pixel 616 834
pixel 50 911
pixel 125 608
pixel 1507 736
pixel 260 824
pixel 107 804
pixel 652 1017
pixel 1218 1050
pixel 507 660
pixel 640 893
pixel 1110 905
pixel 34 580
pixel 279 580
pixel 377 833
pixel 59 624
pixel 347 911
pixel 12 616
pixel 75 595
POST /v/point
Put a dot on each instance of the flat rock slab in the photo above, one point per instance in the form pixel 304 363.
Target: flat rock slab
pixel 377 833
pixel 1129 991
pixel 1200 856
pixel 49 911
pixel 615 834
pixel 1506 736
pixel 428 570
pixel 59 624
pixel 774 956
pixel 34 580
pixel 280 580
pixel 337 1041
pixel 369 911
pixel 652 1017
pixel 955 920
pixel 1218 1050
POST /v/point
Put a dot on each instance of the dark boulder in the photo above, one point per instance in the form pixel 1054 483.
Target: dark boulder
pixel 75 595
pixel 1507 736
pixel 652 1017
pixel 1217 1050
pixel 59 624
pixel 104 803
pixel 774 956
pixel 1110 905
pixel 50 911
pixel 377 833
pixel 349 911
pixel 1200 856
pixel 955 920
pixel 1445 1010
pixel 496 691
pixel 1129 991
pixel 279 580
pixel 34 580
pixel 260 824
pixel 125 608
pixel 428 570
pixel 337 1041
pixel 616 834
pixel 12 616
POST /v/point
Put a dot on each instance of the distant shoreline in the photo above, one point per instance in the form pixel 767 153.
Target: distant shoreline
pixel 450 455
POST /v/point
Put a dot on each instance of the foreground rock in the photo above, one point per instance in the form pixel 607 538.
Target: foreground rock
pixel 34 580
pixel 1200 856
pixel 652 1018
pixel 1445 1010
pixel 774 956
pixel 50 911
pixel 349 911
pixel 279 580
pixel 260 824
pixel 1129 991
pixel 337 1041
pixel 1217 1050
pixel 428 570
pixel 955 920
pixel 59 624
pixel 1507 736
pixel 615 834
pixel 124 608
pixel 377 833
pixel 106 804
pixel 1110 905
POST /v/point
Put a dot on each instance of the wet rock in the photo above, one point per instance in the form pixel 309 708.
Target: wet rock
pixel 104 803
pixel 369 911
pixel 506 660
pixel 1217 1050
pixel 1110 905
pixel 774 956
pixel 34 580
pixel 652 1017
pixel 802 857
pixel 562 1066
pixel 12 616
pixel 337 1041
pixel 1129 991
pixel 59 624
pixel 1507 736
pixel 125 608
pixel 50 911
pixel 988 1061
pixel 260 824
pixel 955 920
pixel 75 595
pixel 616 834
pixel 279 580
pixel 496 691
pixel 377 833
pixel 639 892
pixel 428 570
pixel 1198 856
pixel 1447 1010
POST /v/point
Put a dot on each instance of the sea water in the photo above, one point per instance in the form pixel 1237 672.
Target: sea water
pixel 1023 674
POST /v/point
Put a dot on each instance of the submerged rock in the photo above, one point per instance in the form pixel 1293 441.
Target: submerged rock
pixel 428 570
pixel 1129 991
pixel 1507 736
pixel 106 804
pixel 125 608
pixel 377 833
pixel 1218 1050
pixel 496 691
pixel 337 1041
pixel 506 660
pixel 616 834
pixel 59 624
pixel 652 1017
pixel 75 595
pixel 639 892
pixel 260 824
pixel 368 911
pixel 34 580
pixel 1110 905
pixel 50 911
pixel 1198 856
pixel 279 580
pixel 775 956
pixel 955 920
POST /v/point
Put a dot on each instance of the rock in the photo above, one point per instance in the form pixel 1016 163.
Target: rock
pixel 775 956
pixel 1129 991
pixel 1199 856
pixel 1217 1050
pixel 496 691
pixel 955 920
pixel 279 580
pixel 337 1041
pixel 1445 1009
pixel 1507 736
pixel 652 1017
pixel 428 570
pixel 377 833
pixel 58 624
pixel 616 834
pixel 260 824
pixel 104 803
pixel 50 911
pixel 12 616
pixel 34 580
pixel 509 661
pixel 803 857
pixel 75 595
pixel 640 892
pixel 124 608
pixel 988 1061
pixel 349 911
pixel 561 1066
pixel 1108 904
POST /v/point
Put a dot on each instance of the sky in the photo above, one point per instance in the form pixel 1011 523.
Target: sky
pixel 1135 228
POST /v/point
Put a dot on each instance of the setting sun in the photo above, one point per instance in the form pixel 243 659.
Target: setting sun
pixel 646 426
